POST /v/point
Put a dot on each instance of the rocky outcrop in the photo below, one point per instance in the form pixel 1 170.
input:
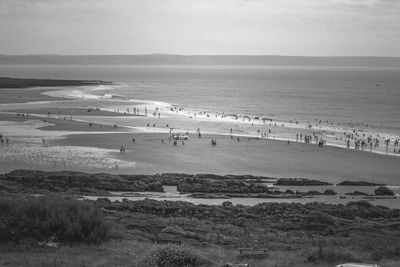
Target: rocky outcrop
pixel 329 192
pixel 384 191
pixel 299 182
pixel 357 193
pixel 357 183
pixel 217 185
pixel 31 181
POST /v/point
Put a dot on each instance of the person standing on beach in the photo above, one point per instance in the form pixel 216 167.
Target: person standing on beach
pixel 387 141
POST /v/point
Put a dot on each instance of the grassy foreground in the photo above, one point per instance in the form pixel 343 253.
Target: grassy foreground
pixel 44 222
pixel 135 253
pixel 54 231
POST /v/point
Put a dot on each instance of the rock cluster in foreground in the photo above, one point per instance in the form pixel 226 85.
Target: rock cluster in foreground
pixel 239 225
pixel 199 185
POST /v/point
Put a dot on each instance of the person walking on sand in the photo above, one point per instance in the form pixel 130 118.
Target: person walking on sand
pixel 387 141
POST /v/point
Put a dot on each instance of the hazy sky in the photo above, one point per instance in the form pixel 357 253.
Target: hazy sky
pixel 270 27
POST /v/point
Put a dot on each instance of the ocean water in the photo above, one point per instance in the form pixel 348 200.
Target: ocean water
pixel 368 98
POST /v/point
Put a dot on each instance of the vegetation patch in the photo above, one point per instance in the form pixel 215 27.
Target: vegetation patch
pixel 44 219
pixel 176 256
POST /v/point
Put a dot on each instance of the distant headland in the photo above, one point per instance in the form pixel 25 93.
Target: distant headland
pixel 170 59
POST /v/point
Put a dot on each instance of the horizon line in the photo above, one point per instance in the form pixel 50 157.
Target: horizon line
pixel 199 55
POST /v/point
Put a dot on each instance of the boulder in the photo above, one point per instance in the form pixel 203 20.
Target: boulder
pixel 383 191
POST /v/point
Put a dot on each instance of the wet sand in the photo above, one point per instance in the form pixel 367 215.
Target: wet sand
pixel 25 95
pixel 249 156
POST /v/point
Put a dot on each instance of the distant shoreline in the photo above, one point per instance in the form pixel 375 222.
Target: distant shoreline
pixel 7 82
pixel 170 59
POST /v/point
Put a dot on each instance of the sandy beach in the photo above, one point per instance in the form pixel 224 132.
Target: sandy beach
pixel 153 151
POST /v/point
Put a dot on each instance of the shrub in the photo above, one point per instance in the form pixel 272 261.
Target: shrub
pixel 175 256
pixel 55 219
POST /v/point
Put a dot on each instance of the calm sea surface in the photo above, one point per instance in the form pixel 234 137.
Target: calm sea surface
pixel 340 95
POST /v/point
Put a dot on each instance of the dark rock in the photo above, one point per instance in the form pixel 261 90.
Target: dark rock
pixel 288 191
pixel 358 183
pixel 32 181
pixel 384 191
pixel 357 193
pixel 313 193
pixel 362 203
pixel 299 182
pixel 329 192
pixel 214 185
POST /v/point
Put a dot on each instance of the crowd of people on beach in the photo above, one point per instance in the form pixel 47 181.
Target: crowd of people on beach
pixel 311 134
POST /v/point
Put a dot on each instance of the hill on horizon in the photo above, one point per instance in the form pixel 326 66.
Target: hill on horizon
pixel 169 59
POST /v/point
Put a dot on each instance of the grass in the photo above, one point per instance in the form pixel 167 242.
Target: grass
pixel 84 238
pixel 135 254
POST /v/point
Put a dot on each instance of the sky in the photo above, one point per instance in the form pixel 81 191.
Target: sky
pixel 201 27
